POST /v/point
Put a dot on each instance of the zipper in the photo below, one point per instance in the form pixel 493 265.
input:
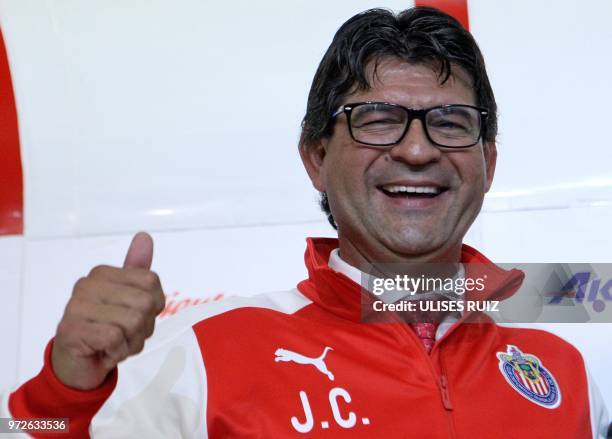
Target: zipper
pixel 446 401
pixel 440 377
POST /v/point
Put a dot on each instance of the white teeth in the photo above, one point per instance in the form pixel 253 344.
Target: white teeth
pixel 413 189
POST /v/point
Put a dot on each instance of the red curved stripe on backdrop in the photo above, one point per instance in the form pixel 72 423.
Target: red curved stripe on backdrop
pixel 11 176
pixel 456 8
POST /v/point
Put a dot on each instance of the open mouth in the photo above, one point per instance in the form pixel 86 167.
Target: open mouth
pixel 400 191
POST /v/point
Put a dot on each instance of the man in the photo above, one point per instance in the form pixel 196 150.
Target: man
pixel 399 138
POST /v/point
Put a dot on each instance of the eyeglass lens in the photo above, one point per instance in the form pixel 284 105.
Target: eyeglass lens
pixel 383 124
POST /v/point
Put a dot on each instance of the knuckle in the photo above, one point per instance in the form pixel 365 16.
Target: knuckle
pixel 69 310
pixel 151 280
pixel 64 327
pixel 98 270
pixel 147 303
pixel 81 285
pixel 72 307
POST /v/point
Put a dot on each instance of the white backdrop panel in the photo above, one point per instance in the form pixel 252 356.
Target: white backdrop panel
pixel 11 264
pixel 548 64
pixel 169 115
pixel 578 234
pixel 197 125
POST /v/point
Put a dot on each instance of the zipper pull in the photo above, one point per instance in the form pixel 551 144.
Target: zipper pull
pixel 446 401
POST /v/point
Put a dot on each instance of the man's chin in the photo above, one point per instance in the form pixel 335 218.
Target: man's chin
pixel 422 248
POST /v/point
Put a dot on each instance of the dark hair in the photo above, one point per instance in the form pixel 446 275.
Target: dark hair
pixel 420 35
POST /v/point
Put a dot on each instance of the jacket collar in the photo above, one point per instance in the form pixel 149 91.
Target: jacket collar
pixel 342 297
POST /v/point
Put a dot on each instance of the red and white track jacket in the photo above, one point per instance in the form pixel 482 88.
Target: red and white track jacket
pixel 301 364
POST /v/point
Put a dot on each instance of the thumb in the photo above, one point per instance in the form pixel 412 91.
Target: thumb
pixel 140 253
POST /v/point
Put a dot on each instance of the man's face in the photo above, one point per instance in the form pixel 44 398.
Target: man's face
pixel 375 225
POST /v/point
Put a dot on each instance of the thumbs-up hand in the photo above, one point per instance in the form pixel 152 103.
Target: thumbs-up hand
pixel 108 318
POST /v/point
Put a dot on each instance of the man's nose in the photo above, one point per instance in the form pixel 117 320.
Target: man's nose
pixel 415 148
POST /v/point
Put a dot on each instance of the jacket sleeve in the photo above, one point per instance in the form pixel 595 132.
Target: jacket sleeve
pixel 600 420
pixel 158 393
pixel 44 396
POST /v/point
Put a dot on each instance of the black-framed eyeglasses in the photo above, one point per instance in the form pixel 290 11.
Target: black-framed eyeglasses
pixel 382 124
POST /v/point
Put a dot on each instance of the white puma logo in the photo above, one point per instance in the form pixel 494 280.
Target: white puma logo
pixel 287 355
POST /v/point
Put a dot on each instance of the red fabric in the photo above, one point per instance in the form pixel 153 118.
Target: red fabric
pixel 45 396
pixel 456 8
pixel 11 178
pixel 344 298
pixel 394 388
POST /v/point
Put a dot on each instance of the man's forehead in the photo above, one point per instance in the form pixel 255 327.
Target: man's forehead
pixel 377 70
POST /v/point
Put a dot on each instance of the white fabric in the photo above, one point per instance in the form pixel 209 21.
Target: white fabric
pixel 600 420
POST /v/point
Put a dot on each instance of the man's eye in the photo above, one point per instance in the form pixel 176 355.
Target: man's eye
pixel 449 125
pixel 374 122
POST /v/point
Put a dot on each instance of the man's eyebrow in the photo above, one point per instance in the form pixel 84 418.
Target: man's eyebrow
pixel 376 106
pixel 368 108
pixel 462 111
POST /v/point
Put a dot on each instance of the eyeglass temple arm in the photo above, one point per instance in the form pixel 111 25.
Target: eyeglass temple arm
pixel 338 111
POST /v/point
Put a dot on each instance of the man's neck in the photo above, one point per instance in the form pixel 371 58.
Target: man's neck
pixel 338 264
pixel 367 259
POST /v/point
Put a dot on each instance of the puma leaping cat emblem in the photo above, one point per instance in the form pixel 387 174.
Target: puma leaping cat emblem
pixel 318 362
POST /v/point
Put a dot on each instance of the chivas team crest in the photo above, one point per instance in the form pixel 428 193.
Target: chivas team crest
pixel 526 374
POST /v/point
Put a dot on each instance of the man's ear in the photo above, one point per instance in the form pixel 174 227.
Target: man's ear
pixel 313 157
pixel 490 156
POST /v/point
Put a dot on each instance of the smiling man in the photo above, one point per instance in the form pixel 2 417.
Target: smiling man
pixel 401 183
pixel 399 139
